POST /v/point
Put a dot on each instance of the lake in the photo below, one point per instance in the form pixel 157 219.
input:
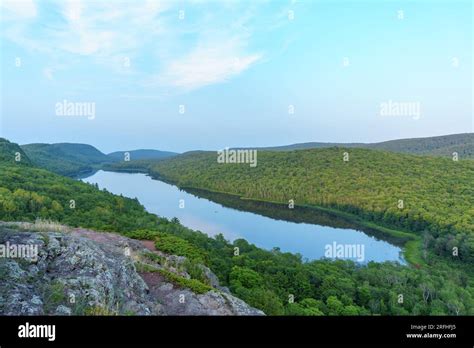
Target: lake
pixel 266 229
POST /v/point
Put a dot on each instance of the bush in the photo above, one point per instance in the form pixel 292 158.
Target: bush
pixel 177 246
pixel 192 284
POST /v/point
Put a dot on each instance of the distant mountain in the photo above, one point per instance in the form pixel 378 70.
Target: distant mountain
pixel 310 145
pixel 74 159
pixel 444 145
pixel 71 159
pixel 141 154
pixel 12 153
pixel 66 158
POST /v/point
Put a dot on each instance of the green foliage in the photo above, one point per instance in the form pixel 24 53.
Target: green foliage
pixel 196 271
pixel 244 277
pixel 266 279
pixel 66 159
pixel 142 234
pixel 9 153
pixel 53 295
pixel 444 145
pixel 261 298
pixel 28 194
pixel 195 285
pixel 307 307
pixel 154 257
pixel 142 267
pixel 462 144
pixel 98 310
pixel 138 166
pixel 177 246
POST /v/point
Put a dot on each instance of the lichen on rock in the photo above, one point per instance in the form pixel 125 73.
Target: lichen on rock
pixel 83 272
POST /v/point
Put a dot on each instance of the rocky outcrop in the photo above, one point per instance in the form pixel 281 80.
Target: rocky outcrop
pixel 79 272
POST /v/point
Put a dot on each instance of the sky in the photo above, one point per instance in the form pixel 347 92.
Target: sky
pixel 198 74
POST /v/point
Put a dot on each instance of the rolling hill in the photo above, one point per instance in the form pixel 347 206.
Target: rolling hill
pixel 72 159
pixel 141 154
pixel 444 145
pixel 65 158
pixel 9 153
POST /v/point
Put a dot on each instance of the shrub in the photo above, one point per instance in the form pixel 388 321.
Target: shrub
pixel 177 246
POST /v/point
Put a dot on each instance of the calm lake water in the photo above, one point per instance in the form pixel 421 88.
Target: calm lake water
pixel 310 240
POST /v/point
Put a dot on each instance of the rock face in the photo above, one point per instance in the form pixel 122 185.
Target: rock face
pixel 82 272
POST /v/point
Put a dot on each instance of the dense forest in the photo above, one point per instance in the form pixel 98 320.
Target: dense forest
pixel 445 145
pixel 66 158
pixel 28 193
pixel 72 159
pixel 278 283
pixel 271 280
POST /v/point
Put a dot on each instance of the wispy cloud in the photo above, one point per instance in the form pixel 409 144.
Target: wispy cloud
pixel 206 64
pixel 18 9
pixel 211 45
pixel 81 27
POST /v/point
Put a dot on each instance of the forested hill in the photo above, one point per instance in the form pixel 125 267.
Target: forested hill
pixel 437 194
pixel 65 158
pixel 463 144
pixel 142 154
pixel 72 159
pixel 444 145
pixel 12 153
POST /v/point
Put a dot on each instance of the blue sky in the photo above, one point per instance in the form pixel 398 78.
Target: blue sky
pixel 237 67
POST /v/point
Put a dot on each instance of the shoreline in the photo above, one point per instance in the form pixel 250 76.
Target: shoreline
pixel 409 242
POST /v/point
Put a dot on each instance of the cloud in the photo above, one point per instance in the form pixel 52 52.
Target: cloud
pixel 143 38
pixel 105 29
pixel 18 9
pixel 206 65
pixel 80 27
